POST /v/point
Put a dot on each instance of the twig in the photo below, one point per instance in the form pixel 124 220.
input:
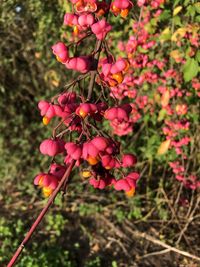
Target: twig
pixel 97 53
pixel 178 195
pixel 94 72
pixel 175 216
pixel 58 125
pixel 188 222
pixel 78 79
pixel 70 84
pixel 41 215
pixel 120 245
pixel 152 239
pixel 156 253
pixel 115 229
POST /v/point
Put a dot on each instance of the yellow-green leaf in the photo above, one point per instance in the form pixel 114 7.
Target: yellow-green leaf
pixel 178 34
pixel 162 114
pixel 165 98
pixel 175 54
pixel 165 35
pixel 177 10
pixel 190 69
pixel 164 146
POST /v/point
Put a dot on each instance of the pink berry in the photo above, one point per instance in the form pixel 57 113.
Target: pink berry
pixel 52 147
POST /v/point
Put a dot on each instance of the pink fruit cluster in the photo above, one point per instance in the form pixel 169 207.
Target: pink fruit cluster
pixel 68 107
pixel 78 134
pixel 154 4
pixel 86 20
pixel 190 182
pixel 81 22
pixel 100 154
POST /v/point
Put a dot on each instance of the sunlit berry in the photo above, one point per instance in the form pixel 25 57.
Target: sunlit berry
pixel 82 64
pixel 70 19
pixel 74 150
pixel 57 170
pixel 47 182
pixel 118 113
pixel 61 52
pixel 109 162
pixel 121 7
pixel 86 20
pixel 128 160
pixel 86 109
pixel 48 111
pixel 101 28
pixel 52 147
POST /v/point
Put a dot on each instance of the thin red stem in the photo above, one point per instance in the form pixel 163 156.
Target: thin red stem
pixel 94 72
pixel 41 215
pixel 97 53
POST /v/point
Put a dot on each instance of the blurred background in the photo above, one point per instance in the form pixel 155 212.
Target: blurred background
pixel 87 227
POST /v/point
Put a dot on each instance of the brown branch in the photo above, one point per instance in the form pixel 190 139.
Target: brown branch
pixel 94 72
pixel 156 253
pixel 97 53
pixel 41 215
pixel 188 221
pixel 152 239
pixel 175 216
pixel 138 234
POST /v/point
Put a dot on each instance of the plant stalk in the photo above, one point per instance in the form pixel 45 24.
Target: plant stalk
pixel 41 215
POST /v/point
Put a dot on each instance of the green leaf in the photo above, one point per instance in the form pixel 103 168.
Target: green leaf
pixel 114 264
pixel 142 50
pixel 177 21
pixel 176 2
pixel 197 7
pixel 190 69
pixel 162 114
pixel 186 2
pixel 190 11
pixel 165 15
pixel 197 56
pixel 197 19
